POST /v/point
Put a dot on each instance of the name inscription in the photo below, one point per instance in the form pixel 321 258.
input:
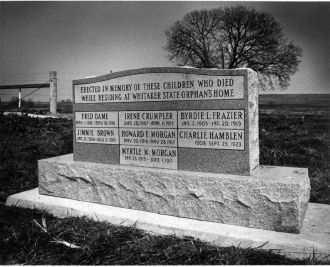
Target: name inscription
pixel 97 135
pixel 96 119
pixel 148 119
pixel 160 157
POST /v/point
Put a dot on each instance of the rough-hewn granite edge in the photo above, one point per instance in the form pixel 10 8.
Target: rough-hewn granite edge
pixel 253 116
pixel 258 201
pixel 304 194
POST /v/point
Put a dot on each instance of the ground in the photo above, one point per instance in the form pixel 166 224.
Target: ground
pixel 296 137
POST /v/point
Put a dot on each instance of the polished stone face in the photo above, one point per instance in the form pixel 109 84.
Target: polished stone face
pixel 170 118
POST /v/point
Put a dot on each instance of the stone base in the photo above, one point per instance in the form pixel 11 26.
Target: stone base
pixel 275 198
pixel 313 238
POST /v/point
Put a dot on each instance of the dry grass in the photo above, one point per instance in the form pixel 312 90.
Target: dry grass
pixel 298 139
pixel 31 237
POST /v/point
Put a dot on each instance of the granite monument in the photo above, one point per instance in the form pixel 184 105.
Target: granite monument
pixel 176 141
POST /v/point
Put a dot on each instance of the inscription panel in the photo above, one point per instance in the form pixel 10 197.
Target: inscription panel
pixel 97 135
pixel 215 119
pixel 160 157
pixel 157 87
pixel 148 119
pixel 216 139
pixel 148 137
pixel 96 119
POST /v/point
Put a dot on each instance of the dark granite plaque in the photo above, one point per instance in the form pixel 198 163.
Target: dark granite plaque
pixel 171 118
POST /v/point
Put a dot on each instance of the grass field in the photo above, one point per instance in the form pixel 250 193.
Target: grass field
pixel 294 101
pixel 298 139
pixel 288 137
pixel 30 237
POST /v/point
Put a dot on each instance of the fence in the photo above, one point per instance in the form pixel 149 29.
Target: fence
pixel 51 84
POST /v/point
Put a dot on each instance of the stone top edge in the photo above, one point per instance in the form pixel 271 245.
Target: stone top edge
pixel 186 70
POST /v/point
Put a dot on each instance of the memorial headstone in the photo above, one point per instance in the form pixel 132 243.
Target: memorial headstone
pixel 171 118
pixel 176 141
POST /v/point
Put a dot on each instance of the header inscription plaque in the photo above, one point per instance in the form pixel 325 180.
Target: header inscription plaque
pixel 160 87
pixel 172 118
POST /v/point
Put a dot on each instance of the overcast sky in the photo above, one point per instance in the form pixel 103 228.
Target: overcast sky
pixel 80 39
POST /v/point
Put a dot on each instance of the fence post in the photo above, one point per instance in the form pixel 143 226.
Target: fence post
pixel 19 97
pixel 53 92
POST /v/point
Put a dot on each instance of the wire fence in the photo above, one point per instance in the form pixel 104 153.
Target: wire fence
pixel 19 102
pixel 10 104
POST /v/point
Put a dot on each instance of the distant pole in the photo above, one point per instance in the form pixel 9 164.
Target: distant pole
pixel 19 97
pixel 53 92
